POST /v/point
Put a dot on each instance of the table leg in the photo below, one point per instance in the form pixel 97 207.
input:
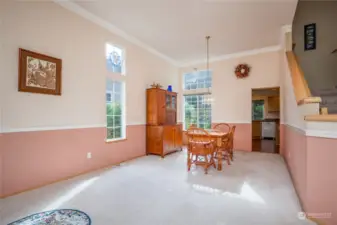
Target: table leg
pixel 188 161
pixel 219 153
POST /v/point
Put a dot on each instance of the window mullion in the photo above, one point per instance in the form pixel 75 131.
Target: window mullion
pixel 198 125
pixel 113 111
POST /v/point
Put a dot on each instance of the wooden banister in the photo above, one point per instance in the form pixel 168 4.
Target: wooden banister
pixel 322 118
pixel 301 89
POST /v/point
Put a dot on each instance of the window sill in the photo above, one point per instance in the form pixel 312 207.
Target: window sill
pixel 111 73
pixel 115 140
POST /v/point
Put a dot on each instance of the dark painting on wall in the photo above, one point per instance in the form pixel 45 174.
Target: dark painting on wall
pixel 310 37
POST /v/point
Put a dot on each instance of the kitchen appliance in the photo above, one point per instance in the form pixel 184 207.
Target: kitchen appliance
pixel 268 130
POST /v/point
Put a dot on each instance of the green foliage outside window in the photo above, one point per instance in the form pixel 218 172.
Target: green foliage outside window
pixel 114 120
pixel 258 110
pixel 198 111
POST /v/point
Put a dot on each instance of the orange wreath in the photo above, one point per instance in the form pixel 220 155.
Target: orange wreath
pixel 242 71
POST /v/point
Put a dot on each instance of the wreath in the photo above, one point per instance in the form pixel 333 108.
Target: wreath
pixel 242 71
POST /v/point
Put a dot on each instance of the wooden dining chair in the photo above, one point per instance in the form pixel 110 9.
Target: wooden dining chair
pixel 224 127
pixel 231 146
pixel 201 149
pixel 224 149
pixel 227 146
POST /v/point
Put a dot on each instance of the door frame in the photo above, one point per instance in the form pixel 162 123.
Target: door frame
pixel 278 133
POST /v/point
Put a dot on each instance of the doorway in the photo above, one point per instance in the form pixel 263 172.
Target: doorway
pixel 266 119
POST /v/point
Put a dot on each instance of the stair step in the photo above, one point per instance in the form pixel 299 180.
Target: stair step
pixel 332 108
pixel 329 99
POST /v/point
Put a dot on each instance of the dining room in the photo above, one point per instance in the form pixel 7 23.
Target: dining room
pixel 203 153
pixel 215 106
pixel 148 126
pixel 209 115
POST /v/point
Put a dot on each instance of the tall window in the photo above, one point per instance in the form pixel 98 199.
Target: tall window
pixel 258 110
pixel 198 104
pixel 115 59
pixel 115 109
pixel 197 80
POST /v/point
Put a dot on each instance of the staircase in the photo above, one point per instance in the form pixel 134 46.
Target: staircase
pixel 329 99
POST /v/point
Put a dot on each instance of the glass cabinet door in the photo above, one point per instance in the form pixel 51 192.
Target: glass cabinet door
pixel 174 101
pixel 168 101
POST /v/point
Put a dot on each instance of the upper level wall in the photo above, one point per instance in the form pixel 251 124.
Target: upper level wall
pixel 319 66
pixel 48 28
pixel 232 96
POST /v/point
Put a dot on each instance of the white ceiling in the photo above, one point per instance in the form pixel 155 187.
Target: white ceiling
pixel 177 28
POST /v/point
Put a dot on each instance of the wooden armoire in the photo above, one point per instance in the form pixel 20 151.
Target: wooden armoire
pixel 163 134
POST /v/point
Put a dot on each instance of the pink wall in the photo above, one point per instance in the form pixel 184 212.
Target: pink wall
pixel 242 136
pixel 312 162
pixel 293 149
pixel 322 177
pixel 37 158
pixel 282 141
pixel 1 164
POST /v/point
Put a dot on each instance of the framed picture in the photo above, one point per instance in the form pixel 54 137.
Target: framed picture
pixel 39 73
pixel 310 37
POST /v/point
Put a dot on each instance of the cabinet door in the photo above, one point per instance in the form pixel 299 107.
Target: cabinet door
pixel 155 108
pixel 168 101
pixel 178 134
pixel 154 139
pixel 171 100
pixel 270 104
pixel 168 139
pixel 277 103
pixel 151 107
pixel 171 105
pixel 174 102
pixel 161 111
pixel 256 129
pixel 171 116
pixel 273 104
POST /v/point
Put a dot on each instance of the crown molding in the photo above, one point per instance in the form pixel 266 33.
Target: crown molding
pixel 235 55
pixel 71 6
pixel 115 30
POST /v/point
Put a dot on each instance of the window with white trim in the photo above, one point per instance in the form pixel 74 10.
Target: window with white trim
pixel 197 80
pixel 115 59
pixel 197 99
pixel 115 112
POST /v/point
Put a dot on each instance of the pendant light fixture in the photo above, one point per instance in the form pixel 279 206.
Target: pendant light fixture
pixel 207 53
pixel 208 100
